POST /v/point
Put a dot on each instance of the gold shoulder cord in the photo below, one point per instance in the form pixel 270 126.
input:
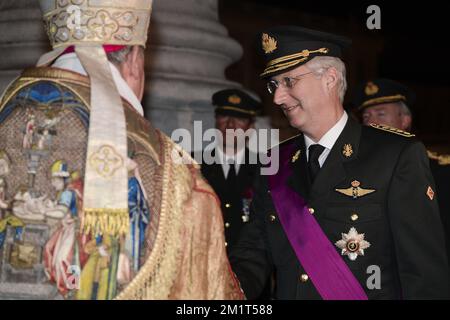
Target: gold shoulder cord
pixel 285 141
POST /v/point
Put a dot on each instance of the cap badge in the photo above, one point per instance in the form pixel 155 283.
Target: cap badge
pixel 352 244
pixel 347 150
pixel 355 191
pixel 371 89
pixel 269 44
pixel 234 99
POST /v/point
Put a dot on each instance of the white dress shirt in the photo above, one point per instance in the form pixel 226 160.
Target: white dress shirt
pixel 328 140
pixel 70 61
pixel 225 160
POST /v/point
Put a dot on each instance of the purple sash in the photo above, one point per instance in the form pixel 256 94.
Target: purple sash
pixel 325 267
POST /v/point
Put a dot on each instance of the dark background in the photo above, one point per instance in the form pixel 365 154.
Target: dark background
pixel 412 47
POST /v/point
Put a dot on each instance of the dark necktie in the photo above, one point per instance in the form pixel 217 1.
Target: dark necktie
pixel 315 150
pixel 231 177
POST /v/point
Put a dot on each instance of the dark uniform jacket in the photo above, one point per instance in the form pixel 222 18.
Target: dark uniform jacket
pixel 441 174
pixel 234 194
pixel 400 219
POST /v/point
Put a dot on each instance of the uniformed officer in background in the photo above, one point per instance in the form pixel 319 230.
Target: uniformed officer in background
pixel 390 103
pixel 232 175
pixel 351 213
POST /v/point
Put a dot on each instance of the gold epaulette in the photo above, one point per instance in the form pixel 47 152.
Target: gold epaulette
pixel 442 159
pixel 392 130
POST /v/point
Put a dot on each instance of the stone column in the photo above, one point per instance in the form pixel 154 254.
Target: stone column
pixel 22 38
pixel 189 52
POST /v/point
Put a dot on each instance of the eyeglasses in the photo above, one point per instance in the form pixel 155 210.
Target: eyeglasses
pixel 287 82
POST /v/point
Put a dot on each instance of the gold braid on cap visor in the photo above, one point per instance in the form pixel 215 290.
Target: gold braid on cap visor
pixel 380 100
pixel 252 113
pixel 284 63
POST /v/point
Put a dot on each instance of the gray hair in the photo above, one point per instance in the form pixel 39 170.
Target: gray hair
pixel 404 109
pixel 117 57
pixel 319 65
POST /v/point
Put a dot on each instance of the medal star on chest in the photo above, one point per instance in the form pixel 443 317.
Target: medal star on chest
pixel 352 244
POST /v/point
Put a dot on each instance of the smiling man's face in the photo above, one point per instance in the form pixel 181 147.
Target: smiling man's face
pixel 302 103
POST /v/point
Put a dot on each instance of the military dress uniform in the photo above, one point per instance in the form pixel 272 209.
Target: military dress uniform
pixel 372 198
pixel 440 168
pixel 380 91
pixel 234 184
pixel 235 193
pixel 400 219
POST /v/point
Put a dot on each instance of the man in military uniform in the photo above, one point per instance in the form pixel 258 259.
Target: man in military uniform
pixel 387 102
pixel 232 175
pixel 440 168
pixel 351 213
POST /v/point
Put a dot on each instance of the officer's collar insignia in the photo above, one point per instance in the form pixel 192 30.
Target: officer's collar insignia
pixel 430 193
pixel 355 191
pixel 234 99
pixel 347 150
pixel 269 44
pixel 371 89
pixel 352 244
pixel 296 156
pixel 392 130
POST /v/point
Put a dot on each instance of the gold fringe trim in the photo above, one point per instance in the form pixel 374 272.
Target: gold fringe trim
pixel 113 222
pixel 159 272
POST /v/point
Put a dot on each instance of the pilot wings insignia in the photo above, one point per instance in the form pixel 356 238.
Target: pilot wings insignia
pixel 355 191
